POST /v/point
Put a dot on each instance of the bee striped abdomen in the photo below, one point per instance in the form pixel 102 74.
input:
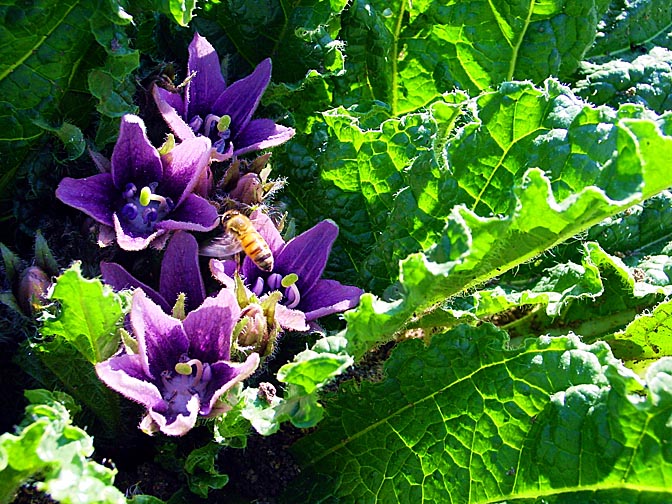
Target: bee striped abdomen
pixel 252 243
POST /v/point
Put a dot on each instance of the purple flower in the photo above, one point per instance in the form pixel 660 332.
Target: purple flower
pixel 221 113
pixel 180 272
pixel 299 264
pixel 142 194
pixel 182 367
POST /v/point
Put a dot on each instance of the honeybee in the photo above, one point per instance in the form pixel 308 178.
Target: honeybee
pixel 240 235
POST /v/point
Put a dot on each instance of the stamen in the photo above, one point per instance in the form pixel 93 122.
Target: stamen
pixel 258 286
pixel 129 211
pixel 166 376
pixel 149 215
pixel 290 279
pixel 196 123
pixel 292 296
pixel 224 123
pixel 129 191
pixel 274 281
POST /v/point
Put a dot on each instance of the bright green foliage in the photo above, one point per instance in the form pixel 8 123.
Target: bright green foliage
pixel 49 449
pixel 407 53
pixel 467 420
pixel 84 332
pixel 646 339
pixel 90 315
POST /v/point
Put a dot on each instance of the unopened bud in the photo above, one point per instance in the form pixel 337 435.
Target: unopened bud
pixel 248 190
pixel 32 291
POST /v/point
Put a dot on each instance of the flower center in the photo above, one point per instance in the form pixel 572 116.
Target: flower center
pixel 189 377
pixel 143 208
pixel 285 284
pixel 214 127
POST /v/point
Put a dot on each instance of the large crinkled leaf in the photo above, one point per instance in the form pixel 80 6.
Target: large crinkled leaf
pixel 630 24
pixel 466 420
pixel 473 249
pixel 645 80
pixel 408 53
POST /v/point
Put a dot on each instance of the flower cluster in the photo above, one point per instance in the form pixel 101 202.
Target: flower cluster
pixel 185 347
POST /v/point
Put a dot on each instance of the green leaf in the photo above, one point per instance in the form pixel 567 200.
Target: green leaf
pixel 299 37
pixel 630 24
pixel 645 80
pixel 202 475
pixel 408 53
pixel 646 339
pixel 49 49
pixel 467 420
pixel 49 449
pixel 69 134
pixel 605 163
pixel 90 315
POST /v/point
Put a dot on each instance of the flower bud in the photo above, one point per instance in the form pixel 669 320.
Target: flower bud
pixel 249 190
pixel 32 290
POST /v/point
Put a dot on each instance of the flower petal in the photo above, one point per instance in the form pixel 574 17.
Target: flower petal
pixel 292 320
pixel 261 134
pixel 223 272
pixel 171 114
pixel 327 297
pixel 183 166
pixel 95 196
pixel 161 338
pixel 208 84
pixel 134 158
pixel 224 376
pixel 180 271
pixel 194 214
pixel 125 374
pixel 118 278
pixel 242 98
pixel 307 254
pixel 129 240
pixel 177 422
pixel 209 327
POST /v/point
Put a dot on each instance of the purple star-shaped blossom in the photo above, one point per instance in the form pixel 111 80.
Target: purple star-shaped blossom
pixel 305 256
pixel 142 194
pixel 180 273
pixel 221 113
pixel 182 367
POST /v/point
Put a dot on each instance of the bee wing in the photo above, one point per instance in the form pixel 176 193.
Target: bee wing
pixel 220 247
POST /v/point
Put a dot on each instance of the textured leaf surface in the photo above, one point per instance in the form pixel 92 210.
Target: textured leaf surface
pixel 465 420
pixel 90 315
pixel 646 80
pixel 47 447
pixel 408 53
pixel 600 166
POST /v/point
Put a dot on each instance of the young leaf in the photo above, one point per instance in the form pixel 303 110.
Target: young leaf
pixel 90 315
pixel 202 475
pixel 467 420
pixel 48 448
pixel 646 339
